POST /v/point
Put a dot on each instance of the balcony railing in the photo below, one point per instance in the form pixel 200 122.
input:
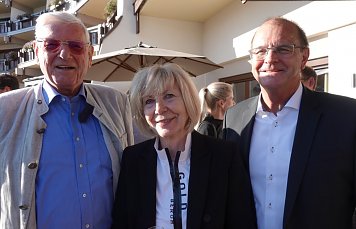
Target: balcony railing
pixel 25 22
pixel 96 33
pixel 8 65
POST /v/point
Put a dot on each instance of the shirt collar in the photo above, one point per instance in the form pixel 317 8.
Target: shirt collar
pixel 293 102
pixel 184 155
pixel 50 92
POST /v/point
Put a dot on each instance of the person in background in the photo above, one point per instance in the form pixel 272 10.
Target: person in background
pixel 8 83
pixel 299 145
pixel 179 178
pixel 309 78
pixel 61 140
pixel 215 99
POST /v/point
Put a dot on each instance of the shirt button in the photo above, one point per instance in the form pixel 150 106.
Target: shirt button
pixel 72 113
pixel 63 99
pixel 77 139
pixel 270 177
pixel 84 195
pixel 87 225
pixel 276 124
pixel 32 165
pixel 80 165
pixel 270 205
pixel 272 149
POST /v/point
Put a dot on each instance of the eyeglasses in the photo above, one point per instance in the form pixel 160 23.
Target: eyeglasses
pixel 52 45
pixel 281 51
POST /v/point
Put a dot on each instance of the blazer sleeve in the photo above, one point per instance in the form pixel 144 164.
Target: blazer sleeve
pixel 120 209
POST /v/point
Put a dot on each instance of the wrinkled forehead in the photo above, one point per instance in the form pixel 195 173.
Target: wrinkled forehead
pixel 274 33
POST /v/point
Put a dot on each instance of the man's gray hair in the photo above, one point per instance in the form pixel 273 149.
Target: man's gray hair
pixel 59 16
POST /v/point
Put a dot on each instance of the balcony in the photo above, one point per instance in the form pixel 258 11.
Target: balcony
pixel 19 27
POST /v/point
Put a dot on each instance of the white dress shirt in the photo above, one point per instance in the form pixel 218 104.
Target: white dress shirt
pixel 270 153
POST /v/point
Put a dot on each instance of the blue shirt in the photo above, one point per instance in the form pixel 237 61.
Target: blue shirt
pixel 74 183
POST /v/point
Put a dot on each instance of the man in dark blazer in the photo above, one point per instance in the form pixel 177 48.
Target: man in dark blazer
pixel 299 146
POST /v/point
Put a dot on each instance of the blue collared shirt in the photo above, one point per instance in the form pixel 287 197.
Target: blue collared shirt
pixel 74 184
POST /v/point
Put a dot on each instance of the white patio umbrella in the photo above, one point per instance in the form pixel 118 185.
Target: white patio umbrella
pixel 123 64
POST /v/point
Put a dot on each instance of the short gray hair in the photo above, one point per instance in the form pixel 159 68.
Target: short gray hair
pixel 60 16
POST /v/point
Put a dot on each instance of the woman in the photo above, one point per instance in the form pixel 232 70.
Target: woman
pixel 215 99
pixel 180 178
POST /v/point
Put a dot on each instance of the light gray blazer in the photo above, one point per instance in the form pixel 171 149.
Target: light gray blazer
pixel 21 135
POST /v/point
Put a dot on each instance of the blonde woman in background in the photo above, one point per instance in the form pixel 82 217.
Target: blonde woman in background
pixel 215 99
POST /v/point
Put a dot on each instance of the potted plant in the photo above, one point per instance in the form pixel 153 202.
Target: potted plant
pixel 110 8
pixel 28 51
pixel 54 4
pixel 23 16
pixel 28 46
pixel 11 56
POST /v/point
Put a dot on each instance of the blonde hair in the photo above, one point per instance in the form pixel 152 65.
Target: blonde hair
pixel 153 80
pixel 210 95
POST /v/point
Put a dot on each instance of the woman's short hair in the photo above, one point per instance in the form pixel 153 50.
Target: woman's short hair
pixel 154 80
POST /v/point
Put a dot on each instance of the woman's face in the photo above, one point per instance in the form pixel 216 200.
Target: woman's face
pixel 166 113
pixel 229 102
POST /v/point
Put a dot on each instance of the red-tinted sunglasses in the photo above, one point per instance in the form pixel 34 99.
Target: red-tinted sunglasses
pixel 52 45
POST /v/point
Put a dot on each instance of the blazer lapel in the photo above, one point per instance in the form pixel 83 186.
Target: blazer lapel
pixel 248 119
pixel 147 186
pixel 198 180
pixel 307 123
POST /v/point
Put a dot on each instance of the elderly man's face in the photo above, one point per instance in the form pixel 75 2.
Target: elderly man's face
pixel 63 64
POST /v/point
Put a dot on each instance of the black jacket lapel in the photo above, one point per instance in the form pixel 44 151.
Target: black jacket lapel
pixel 308 119
pixel 198 181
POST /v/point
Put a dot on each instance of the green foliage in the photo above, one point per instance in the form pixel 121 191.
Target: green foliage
pixel 28 46
pixel 110 8
pixel 12 55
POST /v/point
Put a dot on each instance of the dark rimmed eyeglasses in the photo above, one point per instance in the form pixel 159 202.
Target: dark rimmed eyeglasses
pixel 281 51
pixel 53 45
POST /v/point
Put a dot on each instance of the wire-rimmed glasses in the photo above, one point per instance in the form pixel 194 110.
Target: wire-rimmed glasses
pixel 282 51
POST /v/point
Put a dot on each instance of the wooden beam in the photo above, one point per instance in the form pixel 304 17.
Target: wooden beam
pixel 138 5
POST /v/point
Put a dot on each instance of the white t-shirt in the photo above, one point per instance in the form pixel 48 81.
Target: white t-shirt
pixel 164 188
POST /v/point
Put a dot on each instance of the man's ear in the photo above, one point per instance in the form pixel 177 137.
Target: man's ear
pixel 91 52
pixel 35 48
pixel 305 57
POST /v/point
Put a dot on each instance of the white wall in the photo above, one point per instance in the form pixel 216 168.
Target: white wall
pixel 124 35
pixel 225 38
pixel 177 35
pixel 228 34
pixel 183 36
pixel 342 60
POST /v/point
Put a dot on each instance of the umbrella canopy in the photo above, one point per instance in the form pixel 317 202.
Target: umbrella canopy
pixel 123 64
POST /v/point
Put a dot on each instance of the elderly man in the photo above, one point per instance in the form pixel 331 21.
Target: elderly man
pixel 61 141
pixel 299 145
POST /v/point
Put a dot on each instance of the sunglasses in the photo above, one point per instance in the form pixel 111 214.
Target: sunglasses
pixel 52 45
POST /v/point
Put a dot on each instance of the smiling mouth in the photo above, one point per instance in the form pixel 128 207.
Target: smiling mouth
pixel 164 121
pixel 65 67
